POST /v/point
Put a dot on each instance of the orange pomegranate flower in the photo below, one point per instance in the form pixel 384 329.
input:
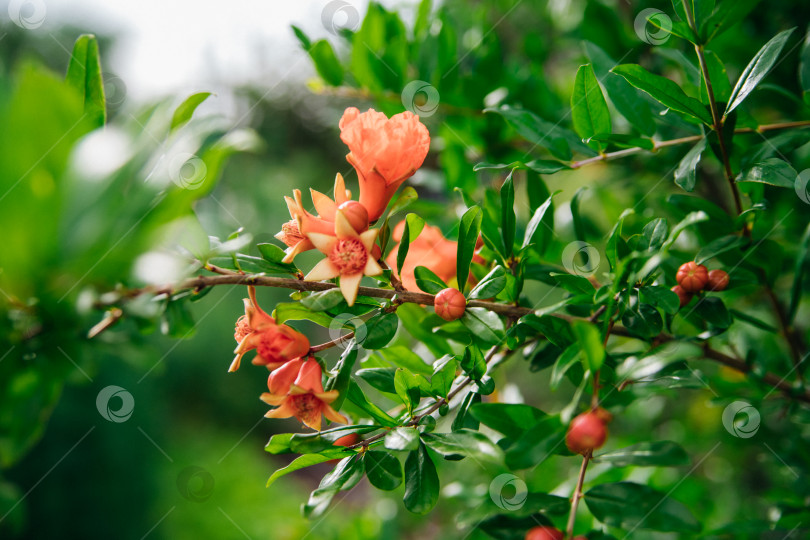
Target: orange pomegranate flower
pixel 384 152
pixel 275 344
pixel 349 255
pixel 294 232
pixel 431 250
pixel 296 390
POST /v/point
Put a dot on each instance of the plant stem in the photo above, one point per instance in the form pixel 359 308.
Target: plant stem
pixel 329 344
pixel 793 340
pixel 572 515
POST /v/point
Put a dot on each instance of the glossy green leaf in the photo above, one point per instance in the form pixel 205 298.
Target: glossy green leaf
pixel 773 171
pixel 406 197
pixel 757 69
pixel 590 341
pixel 713 311
pixel 473 364
pixel 464 442
pixel 428 281
pixel 483 324
pixel 579 226
pixel 184 111
pixel 407 386
pixel 719 246
pixel 326 63
pixel 540 166
pixel 631 506
pixel 295 311
pixel 721 87
pixel 536 221
pixel 468 231
pixel 727 14
pixel 323 300
pixel 661 297
pixel 800 269
pixel 381 378
pixel 647 454
pixel 380 330
pixel 589 110
pixel 444 373
pixel 804 68
pixel 491 284
pixel 686 173
pixel 663 90
pixel 413 226
pixel 536 444
pixel 308 460
pixel 383 470
pixel 421 482
pixel 508 215
pixel 511 419
pixel 356 396
pixel 402 438
pixel 84 74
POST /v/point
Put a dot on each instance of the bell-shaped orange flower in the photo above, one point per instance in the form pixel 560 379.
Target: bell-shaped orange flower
pixel 275 344
pixel 384 152
pixel 294 232
pixel 431 250
pixel 349 255
pixel 296 390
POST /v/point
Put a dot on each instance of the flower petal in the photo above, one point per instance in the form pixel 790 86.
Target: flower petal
pixel 325 206
pixel 333 415
pixel 372 268
pixel 343 228
pixel 349 286
pixel 323 242
pixel 323 270
pixel 284 411
pixel 369 237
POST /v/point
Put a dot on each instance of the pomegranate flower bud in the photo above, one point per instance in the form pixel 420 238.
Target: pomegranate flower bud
pixel 306 399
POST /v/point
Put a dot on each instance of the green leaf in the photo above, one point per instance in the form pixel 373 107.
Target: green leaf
pixel 536 444
pixel 616 248
pixel 306 43
pixel 642 320
pixel 413 226
pixel 491 284
pixel 473 364
pixel 508 215
pixel 407 386
pixel 400 356
pixel 343 477
pixel 308 460
pixel 713 311
pixel 573 283
pixel 661 297
pixel 421 482
pixel 84 74
pixel 356 396
pixel 383 470
pixel 274 255
pixel 380 378
pixel 184 111
pixel 691 219
pixel 402 438
pixel 663 90
pixel 444 373
pixel 484 325
pixel 804 68
pixel 632 506
pixel 326 63
pixel 279 443
pixel 295 311
pixel 323 300
pixel 464 442
pixel 468 231
pixel 773 171
pixel 537 219
pixel 589 111
pixel 799 271
pixel 686 173
pixel 655 232
pixel 727 14
pixel 428 281
pixel 380 330
pixel 718 246
pixel 510 419
pixel 315 443
pixel 590 340
pixel 647 454
pixel 579 226
pixel 634 368
pixel 407 197
pixel 540 166
pixel 757 69
pixel 559 141
pixel 721 88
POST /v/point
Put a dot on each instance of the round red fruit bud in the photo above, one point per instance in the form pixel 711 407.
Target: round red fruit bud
pixel 587 432
pixel 450 304
pixel 718 280
pixel 692 277
pixel 683 296
pixel 356 214
pixel 544 533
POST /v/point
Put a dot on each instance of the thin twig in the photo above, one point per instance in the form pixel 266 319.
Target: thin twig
pixel 572 516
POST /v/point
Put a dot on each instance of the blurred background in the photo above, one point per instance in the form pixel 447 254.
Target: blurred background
pixel 190 461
